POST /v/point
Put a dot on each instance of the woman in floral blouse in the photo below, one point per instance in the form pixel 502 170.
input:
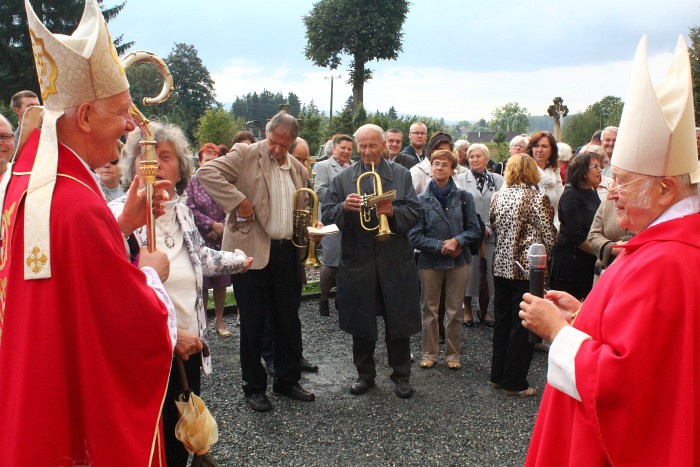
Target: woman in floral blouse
pixel 209 219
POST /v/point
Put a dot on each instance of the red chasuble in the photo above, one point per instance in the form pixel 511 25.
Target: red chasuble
pixel 85 355
pixel 638 374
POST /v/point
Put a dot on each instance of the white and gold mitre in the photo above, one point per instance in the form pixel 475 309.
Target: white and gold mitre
pixel 78 68
pixel 72 70
pixel 657 128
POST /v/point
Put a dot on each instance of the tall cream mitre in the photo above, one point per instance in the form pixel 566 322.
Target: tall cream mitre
pixel 78 68
pixel 657 128
pixel 72 70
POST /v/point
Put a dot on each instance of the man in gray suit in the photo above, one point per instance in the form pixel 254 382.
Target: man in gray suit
pixel 255 185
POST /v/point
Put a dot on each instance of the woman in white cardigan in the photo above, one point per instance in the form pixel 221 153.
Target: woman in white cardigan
pixel 482 184
pixel 190 259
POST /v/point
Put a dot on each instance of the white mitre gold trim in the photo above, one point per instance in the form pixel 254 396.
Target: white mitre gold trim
pixel 72 70
pixel 657 128
pixel 78 68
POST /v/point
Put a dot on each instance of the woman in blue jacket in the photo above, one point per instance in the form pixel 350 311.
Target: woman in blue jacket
pixel 443 235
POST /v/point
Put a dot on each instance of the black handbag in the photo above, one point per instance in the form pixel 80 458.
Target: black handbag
pixel 476 244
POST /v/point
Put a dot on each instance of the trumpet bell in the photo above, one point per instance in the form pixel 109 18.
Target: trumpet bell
pixel 303 218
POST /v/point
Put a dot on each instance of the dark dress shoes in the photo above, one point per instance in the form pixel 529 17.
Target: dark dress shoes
pixel 403 389
pixel 304 365
pixel 323 308
pixel 259 402
pixel 361 386
pixel 295 392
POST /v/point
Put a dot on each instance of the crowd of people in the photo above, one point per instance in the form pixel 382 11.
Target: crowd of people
pixel 424 232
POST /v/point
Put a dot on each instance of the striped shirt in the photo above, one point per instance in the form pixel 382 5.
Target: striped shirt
pixel 281 200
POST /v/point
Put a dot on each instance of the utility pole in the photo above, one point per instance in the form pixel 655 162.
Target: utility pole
pixel 332 77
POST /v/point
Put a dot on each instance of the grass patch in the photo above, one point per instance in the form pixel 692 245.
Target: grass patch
pixel 308 289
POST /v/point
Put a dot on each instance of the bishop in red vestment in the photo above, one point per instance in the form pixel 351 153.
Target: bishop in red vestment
pixel 85 355
pixel 625 365
pixel 85 342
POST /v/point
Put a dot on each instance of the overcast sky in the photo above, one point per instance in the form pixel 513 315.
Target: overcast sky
pixel 460 59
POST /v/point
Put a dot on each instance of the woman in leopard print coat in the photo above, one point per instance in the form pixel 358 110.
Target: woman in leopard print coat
pixel 520 216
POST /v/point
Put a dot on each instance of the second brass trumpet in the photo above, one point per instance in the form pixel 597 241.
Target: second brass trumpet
pixel 304 218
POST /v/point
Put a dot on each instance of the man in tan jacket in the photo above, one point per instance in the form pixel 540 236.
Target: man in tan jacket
pixel 255 185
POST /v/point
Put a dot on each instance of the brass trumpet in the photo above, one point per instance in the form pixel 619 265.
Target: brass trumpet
pixel 369 202
pixel 302 219
pixel 148 164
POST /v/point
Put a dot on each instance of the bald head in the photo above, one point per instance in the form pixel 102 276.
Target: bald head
pixel 300 151
pixel 418 135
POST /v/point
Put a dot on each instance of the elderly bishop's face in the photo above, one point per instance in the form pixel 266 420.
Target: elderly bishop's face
pixel 109 119
pixel 636 201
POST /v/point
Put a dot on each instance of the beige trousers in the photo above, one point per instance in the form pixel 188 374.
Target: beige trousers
pixel 431 281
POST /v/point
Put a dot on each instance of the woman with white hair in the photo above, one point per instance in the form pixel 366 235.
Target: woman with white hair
pixel 481 184
pixel 517 145
pixel 190 260
pixel 461 146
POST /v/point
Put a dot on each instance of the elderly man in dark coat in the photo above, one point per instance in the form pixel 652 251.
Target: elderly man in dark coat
pixel 376 277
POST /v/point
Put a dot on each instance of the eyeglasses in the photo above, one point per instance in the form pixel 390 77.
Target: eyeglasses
pixel 419 133
pixel 597 167
pixel 612 188
pixel 6 137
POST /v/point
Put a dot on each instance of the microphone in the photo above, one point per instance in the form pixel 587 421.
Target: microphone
pixel 537 258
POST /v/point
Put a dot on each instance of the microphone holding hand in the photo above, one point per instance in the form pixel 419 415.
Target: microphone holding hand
pixel 537 259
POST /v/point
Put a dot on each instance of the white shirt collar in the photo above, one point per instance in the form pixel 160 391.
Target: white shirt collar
pixel 682 208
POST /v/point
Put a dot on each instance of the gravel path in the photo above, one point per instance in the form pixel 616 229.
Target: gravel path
pixel 455 418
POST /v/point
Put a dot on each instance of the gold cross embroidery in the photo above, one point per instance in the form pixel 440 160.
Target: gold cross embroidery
pixel 36 260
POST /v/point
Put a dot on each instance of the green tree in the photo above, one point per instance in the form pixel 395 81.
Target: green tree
pixel 7 112
pixel 392 113
pixel 359 118
pixel 608 110
pixel 510 117
pixel 313 127
pixel 342 122
pixel 371 30
pixel 501 145
pixel 217 126
pixel 17 69
pixel 694 50
pixel 263 106
pixel 579 127
pixel 193 92
pixel 481 125
pixel 145 81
